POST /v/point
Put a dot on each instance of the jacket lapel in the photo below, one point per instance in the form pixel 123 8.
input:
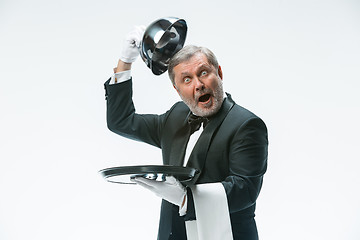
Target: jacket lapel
pixel 199 153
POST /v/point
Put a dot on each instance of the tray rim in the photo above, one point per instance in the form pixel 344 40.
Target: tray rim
pixel 146 169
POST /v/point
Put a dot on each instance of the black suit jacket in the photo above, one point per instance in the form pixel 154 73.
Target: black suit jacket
pixel 232 150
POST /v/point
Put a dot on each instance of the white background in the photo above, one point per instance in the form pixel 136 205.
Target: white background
pixel 296 64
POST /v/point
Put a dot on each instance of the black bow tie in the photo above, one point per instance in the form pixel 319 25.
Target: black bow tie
pixel 196 121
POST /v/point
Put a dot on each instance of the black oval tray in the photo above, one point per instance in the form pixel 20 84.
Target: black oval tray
pixel 124 174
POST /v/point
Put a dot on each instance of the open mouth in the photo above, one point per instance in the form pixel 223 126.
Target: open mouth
pixel 204 98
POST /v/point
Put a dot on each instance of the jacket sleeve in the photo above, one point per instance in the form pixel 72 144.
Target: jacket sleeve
pixel 123 120
pixel 247 164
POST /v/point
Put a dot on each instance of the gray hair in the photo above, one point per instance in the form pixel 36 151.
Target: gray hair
pixel 185 54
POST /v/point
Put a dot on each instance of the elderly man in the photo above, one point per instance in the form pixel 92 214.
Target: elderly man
pixel 208 131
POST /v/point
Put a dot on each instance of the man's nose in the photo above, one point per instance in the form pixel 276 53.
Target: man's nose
pixel 199 85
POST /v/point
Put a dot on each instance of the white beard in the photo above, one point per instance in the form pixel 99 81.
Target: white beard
pixel 218 97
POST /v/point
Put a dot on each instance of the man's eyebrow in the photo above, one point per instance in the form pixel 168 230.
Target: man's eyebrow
pixel 184 74
pixel 204 65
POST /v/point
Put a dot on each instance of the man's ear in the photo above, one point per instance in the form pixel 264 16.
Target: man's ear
pixel 220 72
pixel 176 88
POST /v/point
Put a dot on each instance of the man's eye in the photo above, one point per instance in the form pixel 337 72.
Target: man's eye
pixel 203 73
pixel 186 80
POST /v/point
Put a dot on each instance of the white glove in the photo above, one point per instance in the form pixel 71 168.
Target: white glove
pixel 130 49
pixel 171 190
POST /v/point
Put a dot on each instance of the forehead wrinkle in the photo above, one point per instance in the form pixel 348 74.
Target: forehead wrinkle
pixel 196 68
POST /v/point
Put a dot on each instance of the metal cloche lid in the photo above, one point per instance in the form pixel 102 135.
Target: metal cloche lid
pixel 162 39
